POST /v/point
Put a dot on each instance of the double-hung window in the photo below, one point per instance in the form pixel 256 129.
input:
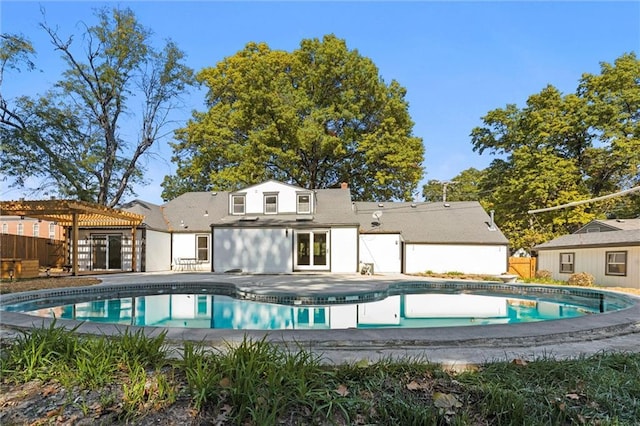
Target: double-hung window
pixel 52 230
pixel 36 229
pixel 616 263
pixel 303 204
pixel 566 263
pixel 20 228
pixel 237 204
pixel 270 203
pixel 202 248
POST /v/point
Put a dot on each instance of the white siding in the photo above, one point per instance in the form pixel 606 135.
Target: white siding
pixel 593 261
pixel 254 197
pixel 441 258
pixel 383 250
pixel 253 250
pixel 158 251
pixel 344 250
pixel 184 245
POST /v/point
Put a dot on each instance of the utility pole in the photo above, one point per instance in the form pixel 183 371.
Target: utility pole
pixel 444 189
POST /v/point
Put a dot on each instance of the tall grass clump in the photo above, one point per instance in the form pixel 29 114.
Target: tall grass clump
pixel 138 348
pixel 39 353
pixel 95 364
pixel 257 382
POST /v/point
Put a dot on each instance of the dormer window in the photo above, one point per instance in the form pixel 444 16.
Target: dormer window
pixel 270 203
pixel 303 205
pixel 238 204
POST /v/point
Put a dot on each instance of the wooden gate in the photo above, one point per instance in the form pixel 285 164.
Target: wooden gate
pixel 524 267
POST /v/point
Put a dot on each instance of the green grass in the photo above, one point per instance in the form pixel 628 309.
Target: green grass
pixel 256 382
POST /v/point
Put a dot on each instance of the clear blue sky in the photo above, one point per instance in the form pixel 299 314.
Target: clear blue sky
pixel 457 60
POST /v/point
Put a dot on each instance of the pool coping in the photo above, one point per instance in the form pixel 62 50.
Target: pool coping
pixel 356 343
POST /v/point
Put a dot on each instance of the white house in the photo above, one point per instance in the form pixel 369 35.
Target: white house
pixel 607 249
pixel 278 228
pixel 273 227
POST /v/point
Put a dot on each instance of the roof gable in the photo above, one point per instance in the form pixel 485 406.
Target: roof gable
pixel 609 225
pixel 152 213
pixel 594 239
pixel 270 186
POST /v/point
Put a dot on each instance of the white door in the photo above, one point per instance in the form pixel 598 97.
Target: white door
pixel 311 250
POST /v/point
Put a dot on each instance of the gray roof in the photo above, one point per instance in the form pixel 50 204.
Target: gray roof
pixel 463 222
pixel 610 225
pixel 456 223
pixel 594 239
pixel 333 207
pixel 152 213
pixel 196 211
pixel 190 212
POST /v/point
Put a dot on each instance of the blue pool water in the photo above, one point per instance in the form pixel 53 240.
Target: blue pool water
pixel 224 312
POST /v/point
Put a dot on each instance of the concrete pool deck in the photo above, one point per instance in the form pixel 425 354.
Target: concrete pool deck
pixel 617 331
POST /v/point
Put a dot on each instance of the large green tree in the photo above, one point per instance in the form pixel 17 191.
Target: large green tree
pixel 314 117
pixel 70 139
pixel 562 148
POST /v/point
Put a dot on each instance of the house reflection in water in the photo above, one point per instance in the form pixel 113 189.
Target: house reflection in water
pixel 222 312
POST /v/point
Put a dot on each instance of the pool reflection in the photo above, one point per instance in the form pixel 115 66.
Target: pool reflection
pixel 223 312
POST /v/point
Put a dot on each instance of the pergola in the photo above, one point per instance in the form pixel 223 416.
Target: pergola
pixel 75 214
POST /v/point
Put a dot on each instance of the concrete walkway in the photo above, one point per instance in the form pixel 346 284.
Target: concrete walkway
pixel 452 346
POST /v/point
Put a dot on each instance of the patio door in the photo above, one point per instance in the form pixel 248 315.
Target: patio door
pixel 106 251
pixel 311 250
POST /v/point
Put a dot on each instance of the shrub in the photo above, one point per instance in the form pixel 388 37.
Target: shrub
pixel 543 274
pixel 583 279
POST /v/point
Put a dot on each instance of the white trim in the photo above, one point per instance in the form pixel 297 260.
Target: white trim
pixel 312 246
pixel 206 249
pixel 303 194
pixel 265 204
pixel 243 197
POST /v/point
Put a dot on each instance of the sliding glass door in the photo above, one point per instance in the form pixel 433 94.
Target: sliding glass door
pixel 311 250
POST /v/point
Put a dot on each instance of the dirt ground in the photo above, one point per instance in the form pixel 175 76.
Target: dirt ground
pixel 45 283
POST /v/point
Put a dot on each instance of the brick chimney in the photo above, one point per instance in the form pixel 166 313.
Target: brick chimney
pixel 344 185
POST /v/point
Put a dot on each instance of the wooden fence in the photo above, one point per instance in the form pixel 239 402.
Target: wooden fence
pixel 49 253
pixel 524 267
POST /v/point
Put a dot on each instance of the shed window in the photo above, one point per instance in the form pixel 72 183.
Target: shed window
pixel 20 228
pixel 270 204
pixel 238 202
pixel 36 229
pixel 5 228
pixel 566 263
pixel 52 230
pixel 616 263
pixel 202 248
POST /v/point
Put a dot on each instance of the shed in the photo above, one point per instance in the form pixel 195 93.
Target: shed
pixel 607 249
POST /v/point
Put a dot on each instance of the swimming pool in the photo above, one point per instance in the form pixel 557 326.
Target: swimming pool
pixel 401 305
pixel 617 329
